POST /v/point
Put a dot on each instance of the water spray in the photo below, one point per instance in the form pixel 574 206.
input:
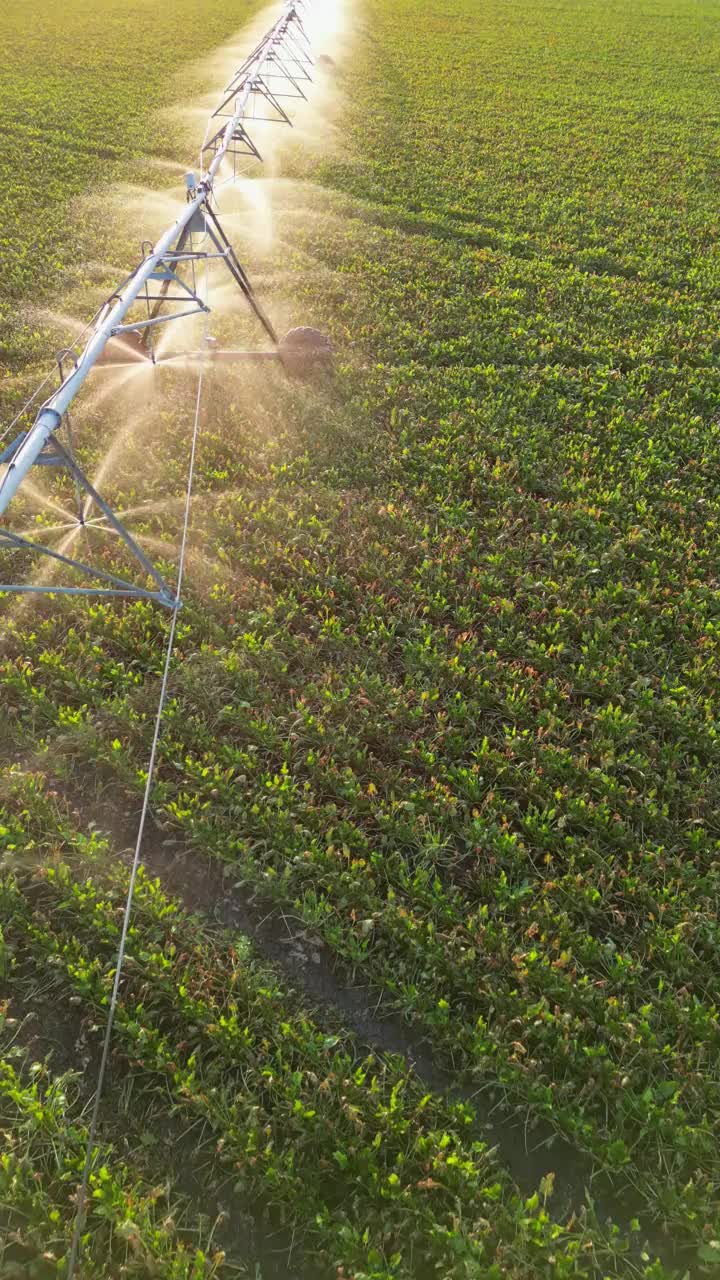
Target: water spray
pixel 163 288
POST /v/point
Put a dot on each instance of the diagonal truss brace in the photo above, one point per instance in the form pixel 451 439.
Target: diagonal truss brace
pixel 285 46
pixel 184 252
pixel 164 594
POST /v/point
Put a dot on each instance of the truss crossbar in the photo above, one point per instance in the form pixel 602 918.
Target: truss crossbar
pixel 112 317
pixel 164 594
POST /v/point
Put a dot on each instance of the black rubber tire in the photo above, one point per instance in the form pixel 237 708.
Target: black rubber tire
pixel 305 350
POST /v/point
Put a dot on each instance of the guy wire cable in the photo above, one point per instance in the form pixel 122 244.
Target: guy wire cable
pixel 89 1150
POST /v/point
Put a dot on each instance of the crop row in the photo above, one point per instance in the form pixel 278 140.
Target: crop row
pixel 447 667
pixel 131 1230
pixel 71 121
pixel 512 937
pixel 347 1153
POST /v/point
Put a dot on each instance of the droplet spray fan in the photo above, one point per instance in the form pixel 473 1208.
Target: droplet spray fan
pixel 302 351
pixel 163 289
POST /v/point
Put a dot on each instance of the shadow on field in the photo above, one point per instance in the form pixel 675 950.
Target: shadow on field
pixel 205 886
pixel 53 1030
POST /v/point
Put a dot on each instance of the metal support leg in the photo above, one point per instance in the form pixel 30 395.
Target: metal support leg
pixel 219 238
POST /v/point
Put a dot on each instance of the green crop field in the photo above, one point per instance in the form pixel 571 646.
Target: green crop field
pixel 422 976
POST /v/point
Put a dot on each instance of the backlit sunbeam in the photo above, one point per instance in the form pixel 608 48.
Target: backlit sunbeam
pixel 161 308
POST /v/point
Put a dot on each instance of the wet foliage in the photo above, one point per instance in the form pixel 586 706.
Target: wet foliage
pixel 447 675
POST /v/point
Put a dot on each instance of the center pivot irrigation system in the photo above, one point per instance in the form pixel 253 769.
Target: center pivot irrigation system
pixel 162 288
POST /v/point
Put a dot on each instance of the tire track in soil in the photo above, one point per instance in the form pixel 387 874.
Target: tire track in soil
pixel 70 1039
pixel 205 886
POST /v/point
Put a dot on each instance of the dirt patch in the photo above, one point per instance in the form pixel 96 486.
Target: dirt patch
pixel 161 1145
pixel 206 886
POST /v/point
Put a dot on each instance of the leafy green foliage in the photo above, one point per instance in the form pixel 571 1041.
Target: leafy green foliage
pixel 366 1168
pixel 80 98
pixel 448 666
pixel 129 1231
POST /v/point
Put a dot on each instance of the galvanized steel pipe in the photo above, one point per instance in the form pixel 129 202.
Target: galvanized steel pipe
pixel 51 414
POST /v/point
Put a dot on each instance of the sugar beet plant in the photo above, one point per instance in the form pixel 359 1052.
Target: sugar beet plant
pixel 448 675
pixel 133 1231
pixel 343 1154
